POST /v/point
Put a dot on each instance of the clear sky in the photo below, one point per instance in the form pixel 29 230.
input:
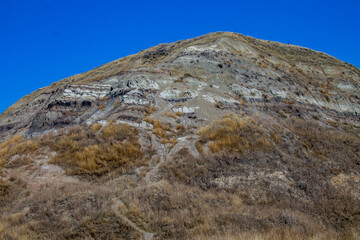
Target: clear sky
pixel 43 41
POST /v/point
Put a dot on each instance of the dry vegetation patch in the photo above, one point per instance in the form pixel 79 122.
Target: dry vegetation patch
pixel 233 134
pixel 17 146
pixel 66 212
pixel 4 187
pixel 81 149
pixel 326 143
pixel 95 151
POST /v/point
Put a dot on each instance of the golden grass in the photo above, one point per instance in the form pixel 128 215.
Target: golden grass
pixel 189 202
pixel 102 107
pixel 325 143
pixel 16 145
pixel 160 130
pixel 4 186
pixel 117 104
pixel 199 147
pixel 149 120
pixel 160 133
pixel 180 104
pixel 91 152
pixel 150 110
pixel 233 134
pixel 289 102
pixel 173 141
pixel 171 114
pixel 179 114
pixel 180 129
pixel 282 233
pixel 96 127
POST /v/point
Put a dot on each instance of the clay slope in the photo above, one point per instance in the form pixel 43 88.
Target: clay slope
pixel 215 67
pixel 220 136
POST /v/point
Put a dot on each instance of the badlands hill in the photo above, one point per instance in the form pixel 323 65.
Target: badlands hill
pixel 223 136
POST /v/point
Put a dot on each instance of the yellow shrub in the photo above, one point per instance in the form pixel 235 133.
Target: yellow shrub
pixel 180 104
pixel 179 114
pixel 119 131
pixel 173 141
pixel 234 134
pixel 4 186
pixel 83 151
pixel 171 114
pixel 199 147
pixel 180 128
pixel 159 132
pixel 150 110
pixel 117 104
pixel 96 127
pixel 16 145
pixel 148 119
pixel 157 124
pixel 102 107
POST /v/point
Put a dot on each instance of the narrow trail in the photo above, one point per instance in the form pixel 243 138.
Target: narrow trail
pixel 165 153
pixel 115 206
pixel 161 153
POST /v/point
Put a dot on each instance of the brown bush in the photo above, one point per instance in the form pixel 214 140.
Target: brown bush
pixel 102 107
pixel 115 146
pixel 48 215
pixel 4 187
pixel 180 128
pixel 160 130
pixel 179 114
pixel 117 103
pixel 17 145
pixel 326 143
pixel 336 210
pixel 234 134
pixel 171 114
pixel 96 127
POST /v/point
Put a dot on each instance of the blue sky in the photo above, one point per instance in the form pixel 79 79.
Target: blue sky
pixel 44 41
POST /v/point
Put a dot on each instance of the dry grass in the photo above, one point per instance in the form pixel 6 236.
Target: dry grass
pixel 117 104
pixel 200 147
pixel 182 79
pixel 71 211
pixel 102 107
pixel 214 197
pixel 149 120
pixel 281 233
pixel 160 133
pixel 96 127
pixel 160 130
pixel 17 146
pixel 255 205
pixel 289 102
pixel 325 143
pixel 179 114
pixel 90 152
pixel 229 195
pixel 150 109
pixel 178 211
pixel 180 129
pixel 4 187
pixel 180 104
pixel 171 114
pixel 173 141
pixel 234 134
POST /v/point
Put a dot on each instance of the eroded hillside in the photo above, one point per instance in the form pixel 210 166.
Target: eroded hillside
pixel 222 136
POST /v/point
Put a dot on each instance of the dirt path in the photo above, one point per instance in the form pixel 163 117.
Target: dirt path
pixel 115 208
